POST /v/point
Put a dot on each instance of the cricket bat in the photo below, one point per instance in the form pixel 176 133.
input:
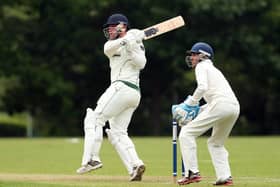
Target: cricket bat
pixel 163 27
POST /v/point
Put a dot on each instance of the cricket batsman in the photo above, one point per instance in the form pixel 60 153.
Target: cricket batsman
pixel 219 113
pixel 126 54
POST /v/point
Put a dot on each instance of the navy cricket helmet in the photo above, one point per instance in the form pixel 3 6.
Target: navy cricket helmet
pixel 116 19
pixel 204 48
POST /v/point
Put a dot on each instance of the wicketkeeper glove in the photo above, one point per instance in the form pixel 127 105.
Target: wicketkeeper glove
pixel 184 113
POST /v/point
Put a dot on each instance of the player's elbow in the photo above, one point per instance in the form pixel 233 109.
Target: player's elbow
pixel 107 51
pixel 140 61
pixel 111 47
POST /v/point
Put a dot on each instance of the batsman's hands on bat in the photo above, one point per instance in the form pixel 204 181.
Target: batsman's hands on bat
pixel 184 113
pixel 120 28
pixel 133 35
pixel 138 34
pixel 151 31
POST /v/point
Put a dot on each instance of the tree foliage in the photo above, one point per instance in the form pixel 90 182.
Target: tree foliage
pixel 52 63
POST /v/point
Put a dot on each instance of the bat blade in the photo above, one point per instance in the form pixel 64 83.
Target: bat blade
pixel 163 27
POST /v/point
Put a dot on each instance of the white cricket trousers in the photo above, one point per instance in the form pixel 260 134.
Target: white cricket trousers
pixel 116 105
pixel 221 116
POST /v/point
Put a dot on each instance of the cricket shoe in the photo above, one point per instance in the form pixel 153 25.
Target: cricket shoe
pixel 225 182
pixel 192 177
pixel 138 172
pixel 91 165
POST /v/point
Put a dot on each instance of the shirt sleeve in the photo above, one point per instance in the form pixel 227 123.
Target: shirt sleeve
pixel 138 55
pixel 112 46
pixel 202 83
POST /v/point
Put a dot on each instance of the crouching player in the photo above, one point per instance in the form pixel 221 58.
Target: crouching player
pixel 219 113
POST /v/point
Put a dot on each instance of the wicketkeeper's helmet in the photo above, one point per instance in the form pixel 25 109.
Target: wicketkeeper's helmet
pixel 204 48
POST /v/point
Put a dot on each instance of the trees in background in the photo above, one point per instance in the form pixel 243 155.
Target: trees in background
pixel 52 64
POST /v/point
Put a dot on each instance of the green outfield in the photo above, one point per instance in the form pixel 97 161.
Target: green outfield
pixel 41 162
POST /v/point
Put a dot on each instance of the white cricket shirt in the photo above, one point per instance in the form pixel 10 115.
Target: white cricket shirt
pixel 211 84
pixel 124 64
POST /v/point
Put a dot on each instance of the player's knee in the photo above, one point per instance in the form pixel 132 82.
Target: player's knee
pixel 212 143
pixel 112 137
pixel 93 119
pixel 187 140
pixel 183 137
pixel 216 147
pixel 101 118
pixel 98 133
pixel 120 138
pixel 89 132
pixel 126 141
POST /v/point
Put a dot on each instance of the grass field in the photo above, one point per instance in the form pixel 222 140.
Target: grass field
pixel 41 162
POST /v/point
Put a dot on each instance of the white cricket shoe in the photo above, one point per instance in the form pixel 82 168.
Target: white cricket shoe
pixel 91 165
pixel 138 171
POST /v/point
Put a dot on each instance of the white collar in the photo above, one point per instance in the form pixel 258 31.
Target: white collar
pixel 207 61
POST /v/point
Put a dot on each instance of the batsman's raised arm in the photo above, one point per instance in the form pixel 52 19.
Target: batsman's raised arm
pixel 135 48
pixel 126 55
pixel 129 37
pixel 115 35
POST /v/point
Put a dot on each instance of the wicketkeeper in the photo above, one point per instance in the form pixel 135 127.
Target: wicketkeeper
pixel 126 54
pixel 220 113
